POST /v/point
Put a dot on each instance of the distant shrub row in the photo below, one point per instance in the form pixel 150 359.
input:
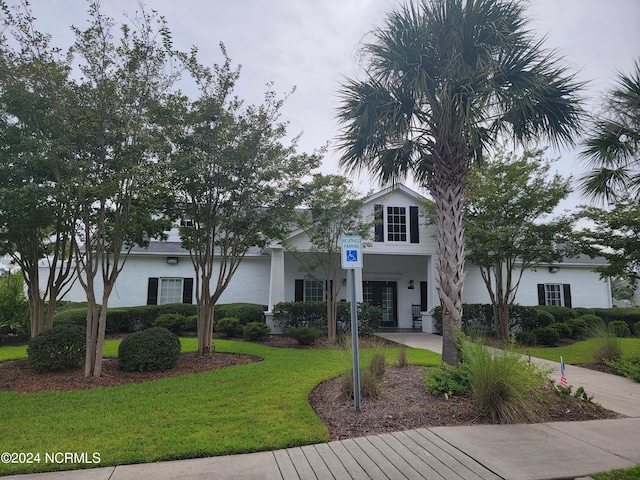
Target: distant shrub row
pixel 176 317
pixel 478 319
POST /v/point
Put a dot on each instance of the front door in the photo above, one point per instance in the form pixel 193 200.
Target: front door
pixel 383 295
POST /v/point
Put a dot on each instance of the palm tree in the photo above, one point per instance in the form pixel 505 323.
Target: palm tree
pixel 613 146
pixel 445 80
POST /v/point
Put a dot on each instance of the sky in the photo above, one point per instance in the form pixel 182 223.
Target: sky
pixel 313 45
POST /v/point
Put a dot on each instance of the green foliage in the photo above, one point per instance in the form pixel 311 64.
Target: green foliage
pixel 304 335
pixel 563 329
pixel 244 312
pixel 448 380
pixel 256 331
pixel 578 326
pixel 547 336
pixel 632 473
pixel 525 337
pixel 630 315
pixel 60 348
pixel 173 322
pixel 560 314
pixel 636 329
pixel 370 379
pixel 314 314
pixel 71 316
pixel 14 307
pixel 148 350
pixel 565 392
pixel 620 328
pixel 544 318
pixel 503 386
pixel 627 365
pixel 521 189
pixel 230 327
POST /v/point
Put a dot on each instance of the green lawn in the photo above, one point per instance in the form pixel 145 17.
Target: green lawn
pixel 580 352
pixel 260 406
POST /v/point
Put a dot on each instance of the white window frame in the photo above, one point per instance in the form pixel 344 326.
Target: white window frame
pixel 397 232
pixel 553 294
pixel 313 290
pixel 170 293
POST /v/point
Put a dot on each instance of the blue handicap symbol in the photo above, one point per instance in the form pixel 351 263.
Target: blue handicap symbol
pixel 352 255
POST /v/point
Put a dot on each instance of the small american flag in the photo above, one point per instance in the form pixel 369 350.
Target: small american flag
pixel 563 378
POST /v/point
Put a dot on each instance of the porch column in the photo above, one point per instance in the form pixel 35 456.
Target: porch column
pixel 432 297
pixel 276 283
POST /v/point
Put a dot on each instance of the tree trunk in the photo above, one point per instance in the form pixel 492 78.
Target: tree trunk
pixel 92 335
pixel 36 311
pixel 447 188
pixel 205 326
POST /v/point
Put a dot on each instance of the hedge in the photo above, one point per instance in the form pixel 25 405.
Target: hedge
pixel 314 314
pixel 133 319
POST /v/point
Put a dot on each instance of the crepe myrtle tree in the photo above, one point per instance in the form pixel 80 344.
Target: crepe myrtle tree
pixel 235 177
pixel 508 205
pixel 330 210
pixel 444 80
pixel 116 185
pixel 36 218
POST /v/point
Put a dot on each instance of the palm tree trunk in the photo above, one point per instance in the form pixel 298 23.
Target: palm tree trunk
pixel 447 187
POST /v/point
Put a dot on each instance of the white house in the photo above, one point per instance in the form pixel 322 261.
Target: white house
pixel 398 271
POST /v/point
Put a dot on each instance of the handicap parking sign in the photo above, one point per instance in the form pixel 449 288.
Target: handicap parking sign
pixel 351 249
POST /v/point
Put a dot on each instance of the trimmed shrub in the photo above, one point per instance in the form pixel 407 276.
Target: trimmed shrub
pixel 173 322
pixel 578 326
pixel 560 314
pixel 304 335
pixel 544 319
pixel 61 348
pixel 71 316
pixel 314 314
pixel 564 330
pixel 592 321
pixel 230 327
pixel 636 329
pixel 244 312
pixel 153 349
pixel 620 328
pixel 255 331
pixel 369 318
pixel 526 338
pixel 547 336
pixel 630 315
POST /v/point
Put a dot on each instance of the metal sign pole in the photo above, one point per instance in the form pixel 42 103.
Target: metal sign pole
pixel 354 343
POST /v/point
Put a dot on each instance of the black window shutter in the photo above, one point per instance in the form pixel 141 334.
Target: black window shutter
pixel 423 297
pixel 379 226
pixel 187 290
pixel 152 291
pixel 299 295
pixel 414 233
pixel 566 288
pixel 541 297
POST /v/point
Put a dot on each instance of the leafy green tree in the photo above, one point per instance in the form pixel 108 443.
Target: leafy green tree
pixel 331 209
pixel 615 235
pixel 235 180
pixel 36 219
pixel 612 147
pixel 117 183
pixel 507 204
pixel 445 80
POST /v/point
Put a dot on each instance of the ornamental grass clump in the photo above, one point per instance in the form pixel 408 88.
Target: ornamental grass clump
pixel 609 346
pixel 503 386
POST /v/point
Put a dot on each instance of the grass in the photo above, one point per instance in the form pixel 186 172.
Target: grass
pixel 581 352
pixel 632 473
pixel 247 408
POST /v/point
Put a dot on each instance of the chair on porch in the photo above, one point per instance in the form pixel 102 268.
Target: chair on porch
pixel 416 316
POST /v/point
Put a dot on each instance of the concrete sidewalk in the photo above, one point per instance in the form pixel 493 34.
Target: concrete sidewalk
pixel 559 450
